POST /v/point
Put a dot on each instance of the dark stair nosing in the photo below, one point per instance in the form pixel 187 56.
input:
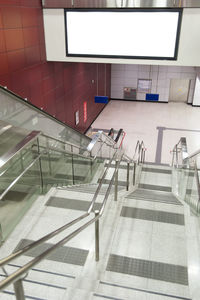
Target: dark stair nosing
pixel 155 200
pixel 148 269
pixel 73 204
pixel 152 215
pixel 64 254
pixel 154 170
pixel 155 187
pixel 107 181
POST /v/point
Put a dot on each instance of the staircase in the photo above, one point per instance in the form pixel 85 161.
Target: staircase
pixel 143 243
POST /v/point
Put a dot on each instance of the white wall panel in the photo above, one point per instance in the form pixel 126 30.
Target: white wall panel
pixel 189 46
pixel 160 79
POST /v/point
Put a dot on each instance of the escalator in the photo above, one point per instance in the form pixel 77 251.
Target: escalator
pixel 18 112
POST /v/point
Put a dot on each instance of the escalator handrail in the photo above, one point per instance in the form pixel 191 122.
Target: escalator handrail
pixel 34 107
pixel 4 159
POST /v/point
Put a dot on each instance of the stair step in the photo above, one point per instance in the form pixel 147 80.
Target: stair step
pixel 155 187
pixel 156 170
pixel 145 195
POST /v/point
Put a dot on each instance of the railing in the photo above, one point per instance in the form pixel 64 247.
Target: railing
pixel 13 152
pixel 138 157
pixel 17 277
pixel 180 153
pixel 186 169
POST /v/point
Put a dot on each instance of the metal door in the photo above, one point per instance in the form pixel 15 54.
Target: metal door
pixel 179 90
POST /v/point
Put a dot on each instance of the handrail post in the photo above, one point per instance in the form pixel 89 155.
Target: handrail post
pixel 19 290
pixel 40 167
pixel 134 173
pixel 142 152
pixel 176 156
pixel 127 178
pixel 49 156
pixel 173 158
pixel 1 235
pixel 73 179
pixel 91 163
pixel 116 180
pixel 96 236
pixel 143 159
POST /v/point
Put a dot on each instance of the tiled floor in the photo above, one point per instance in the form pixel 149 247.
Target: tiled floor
pixel 155 256
pixel 150 255
pixel 140 121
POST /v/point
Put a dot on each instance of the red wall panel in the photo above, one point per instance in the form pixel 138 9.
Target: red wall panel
pixel 59 88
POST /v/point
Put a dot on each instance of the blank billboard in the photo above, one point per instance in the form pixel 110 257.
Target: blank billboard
pixel 121 33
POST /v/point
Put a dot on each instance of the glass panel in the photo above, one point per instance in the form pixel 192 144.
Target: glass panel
pixel 19 113
pixel 20 197
pixel 62 166
pixel 10 136
pixel 192 196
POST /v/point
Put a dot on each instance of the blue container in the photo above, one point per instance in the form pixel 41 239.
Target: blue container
pixel 101 99
pixel 152 97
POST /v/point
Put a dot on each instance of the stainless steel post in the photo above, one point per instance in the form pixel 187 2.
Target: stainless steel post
pixel 97 236
pixel 40 167
pixel 143 160
pixel 91 163
pixel 1 235
pixel 73 179
pixel 134 173
pixel 176 156
pixel 127 179
pixel 19 290
pixel 116 180
pixel 49 156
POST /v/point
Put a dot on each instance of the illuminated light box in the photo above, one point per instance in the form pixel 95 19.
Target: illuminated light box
pixel 123 33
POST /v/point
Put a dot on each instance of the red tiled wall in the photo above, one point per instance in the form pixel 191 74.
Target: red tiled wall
pixel 58 88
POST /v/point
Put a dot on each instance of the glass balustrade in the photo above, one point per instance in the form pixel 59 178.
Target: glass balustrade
pixel 17 198
pixel 21 113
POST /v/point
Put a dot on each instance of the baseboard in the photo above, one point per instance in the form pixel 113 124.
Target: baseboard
pixel 147 101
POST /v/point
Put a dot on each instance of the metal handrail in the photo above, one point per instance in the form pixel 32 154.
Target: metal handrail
pixel 16 276
pixel 20 176
pixel 52 234
pixel 140 147
pixel 192 155
pixel 63 142
pixel 67 152
pixel 181 146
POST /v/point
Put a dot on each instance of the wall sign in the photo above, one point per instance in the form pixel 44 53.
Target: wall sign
pixel 77 117
pixel 84 111
pixel 144 85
